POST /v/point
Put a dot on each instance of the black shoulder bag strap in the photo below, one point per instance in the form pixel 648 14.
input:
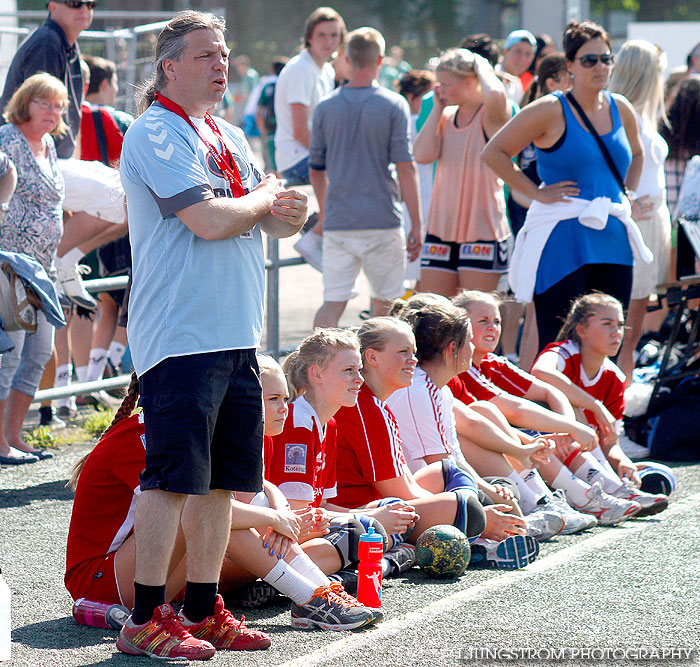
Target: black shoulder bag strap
pixel 603 148
pixel 101 136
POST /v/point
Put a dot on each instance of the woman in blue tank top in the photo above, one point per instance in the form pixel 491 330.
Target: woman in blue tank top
pixel 573 259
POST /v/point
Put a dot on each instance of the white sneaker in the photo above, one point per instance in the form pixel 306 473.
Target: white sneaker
pixel 310 247
pixel 513 553
pixel 652 503
pixel 543 524
pixel 574 522
pixel 632 449
pixel 72 284
pixel 606 508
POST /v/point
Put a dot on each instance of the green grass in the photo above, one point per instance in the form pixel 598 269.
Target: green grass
pixel 98 422
pixel 40 438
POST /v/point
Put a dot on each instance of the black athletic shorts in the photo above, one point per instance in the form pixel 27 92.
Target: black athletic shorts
pixel 203 415
pixel 486 256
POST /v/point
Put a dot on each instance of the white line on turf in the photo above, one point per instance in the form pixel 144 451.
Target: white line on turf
pixel 331 650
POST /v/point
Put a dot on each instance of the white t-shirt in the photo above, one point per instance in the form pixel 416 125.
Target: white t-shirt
pixel 426 421
pixel 301 81
pixel 512 84
pixel 653 179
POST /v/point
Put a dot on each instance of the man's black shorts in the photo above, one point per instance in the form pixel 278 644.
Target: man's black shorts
pixel 203 415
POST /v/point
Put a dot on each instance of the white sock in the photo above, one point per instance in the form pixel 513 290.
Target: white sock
pixel 116 352
pixel 290 583
pixel 534 480
pixel 96 366
pixel 81 372
pixel 574 487
pixel 603 460
pixel 592 471
pixel 528 499
pixel 74 255
pixel 62 379
pixel 307 568
pixel 386 568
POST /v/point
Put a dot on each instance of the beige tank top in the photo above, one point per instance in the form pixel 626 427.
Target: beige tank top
pixel 467 203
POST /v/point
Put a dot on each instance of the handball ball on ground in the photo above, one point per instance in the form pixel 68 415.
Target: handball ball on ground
pixel 443 552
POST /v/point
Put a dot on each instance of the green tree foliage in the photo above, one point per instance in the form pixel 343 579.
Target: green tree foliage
pixel 653 10
pixel 266 28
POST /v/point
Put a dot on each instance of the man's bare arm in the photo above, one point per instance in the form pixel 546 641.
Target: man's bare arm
pixel 225 218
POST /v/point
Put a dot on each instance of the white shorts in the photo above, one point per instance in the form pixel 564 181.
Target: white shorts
pixel 94 188
pixel 381 253
pixel 656 232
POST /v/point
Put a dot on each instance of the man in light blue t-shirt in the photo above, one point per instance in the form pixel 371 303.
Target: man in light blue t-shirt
pixel 197 206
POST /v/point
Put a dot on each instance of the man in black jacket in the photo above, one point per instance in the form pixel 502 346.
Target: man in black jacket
pixel 53 48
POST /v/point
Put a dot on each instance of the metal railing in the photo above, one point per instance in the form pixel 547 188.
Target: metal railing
pixel 273 264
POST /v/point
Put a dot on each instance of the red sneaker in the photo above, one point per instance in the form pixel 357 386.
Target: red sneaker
pixel 225 632
pixel 162 637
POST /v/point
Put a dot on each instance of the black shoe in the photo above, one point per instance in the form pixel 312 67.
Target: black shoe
pixel 20 459
pixel 256 595
pixel 401 558
pixel 347 577
pixel 66 412
pixel 47 417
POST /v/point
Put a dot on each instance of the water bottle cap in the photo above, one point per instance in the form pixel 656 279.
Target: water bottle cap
pixel 371 536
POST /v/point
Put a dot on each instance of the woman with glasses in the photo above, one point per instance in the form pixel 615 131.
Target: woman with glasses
pixel 552 74
pixel 33 225
pixel 579 235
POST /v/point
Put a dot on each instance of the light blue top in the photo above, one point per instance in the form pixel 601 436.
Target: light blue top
pixel 577 157
pixel 189 295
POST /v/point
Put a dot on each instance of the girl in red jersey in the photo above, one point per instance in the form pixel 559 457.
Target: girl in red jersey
pixel 512 392
pixel 371 462
pixel 579 364
pixel 516 394
pixel 425 416
pixel 324 375
pixel 100 553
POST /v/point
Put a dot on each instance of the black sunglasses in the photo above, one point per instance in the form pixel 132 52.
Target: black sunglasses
pixel 77 4
pixel 591 59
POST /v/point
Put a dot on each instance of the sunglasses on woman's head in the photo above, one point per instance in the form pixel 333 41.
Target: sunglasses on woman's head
pixel 591 59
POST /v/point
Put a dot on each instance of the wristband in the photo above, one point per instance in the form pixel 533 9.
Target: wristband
pixel 569 459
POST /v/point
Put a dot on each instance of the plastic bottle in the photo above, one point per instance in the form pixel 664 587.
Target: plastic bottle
pixel 5 620
pixel 369 571
pixel 100 614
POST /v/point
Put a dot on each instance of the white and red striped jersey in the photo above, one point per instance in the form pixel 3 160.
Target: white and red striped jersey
pixel 608 384
pixel 426 420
